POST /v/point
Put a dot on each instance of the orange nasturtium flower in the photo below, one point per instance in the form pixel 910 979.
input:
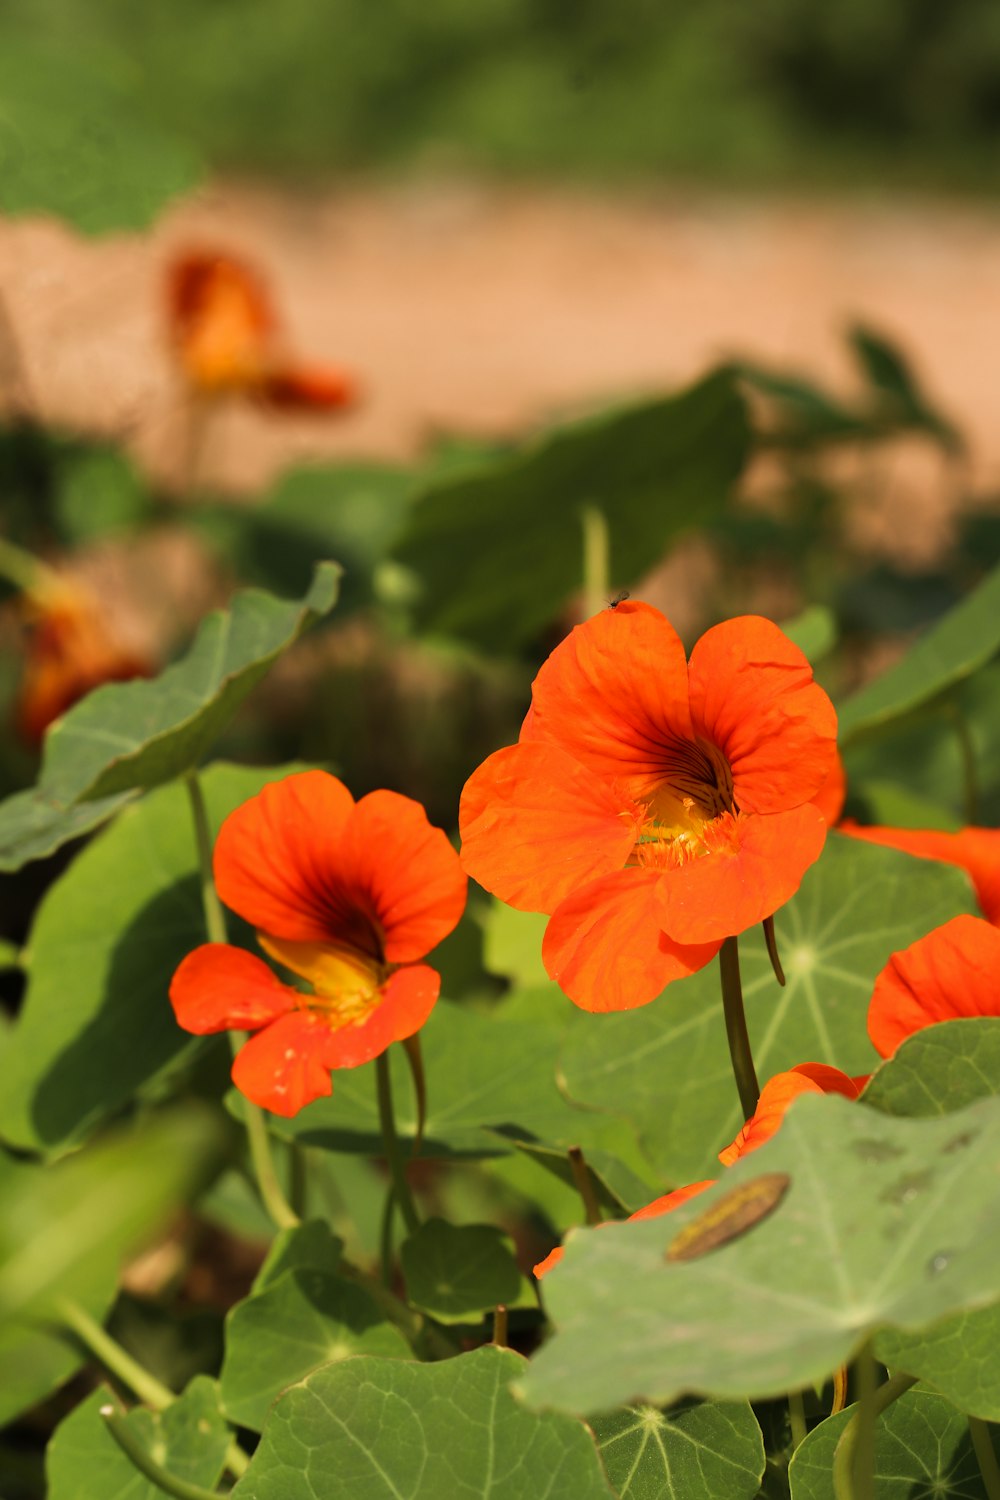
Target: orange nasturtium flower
pixel 70 650
pixel 228 339
pixel 347 895
pixel 950 974
pixel 776 1096
pixel 653 807
pixel 975 850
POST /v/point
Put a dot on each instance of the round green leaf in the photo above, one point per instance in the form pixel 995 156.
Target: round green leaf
pixel 696 1452
pixel 372 1429
pixel 308 1247
pixel 666 1068
pixel 96 1023
pixel 189 1438
pixel 302 1320
pixel 959 1356
pixel 940 1069
pixel 922 1447
pixel 886 1223
pixel 458 1272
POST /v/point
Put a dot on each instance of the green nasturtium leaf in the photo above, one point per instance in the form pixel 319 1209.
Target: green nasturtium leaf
pixel 513 944
pixel 922 1448
pixel 458 1272
pixel 959 1356
pixel 65 1229
pixel 303 1320
pixel 966 639
pixel 189 1438
pixel 126 736
pixel 75 139
pixel 498 550
pixel 940 1069
pixel 666 1068
pixel 373 1429
pixel 96 1023
pixel 700 1451
pixel 814 631
pixel 887 1224
pixel 491 1087
pixel 307 1247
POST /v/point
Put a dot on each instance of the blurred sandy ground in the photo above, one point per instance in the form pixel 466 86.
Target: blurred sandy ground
pixel 483 309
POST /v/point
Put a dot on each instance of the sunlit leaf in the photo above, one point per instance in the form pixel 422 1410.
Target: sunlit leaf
pixel 940 1069
pixel 695 1452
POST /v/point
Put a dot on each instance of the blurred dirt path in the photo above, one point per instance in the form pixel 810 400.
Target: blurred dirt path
pixel 483 309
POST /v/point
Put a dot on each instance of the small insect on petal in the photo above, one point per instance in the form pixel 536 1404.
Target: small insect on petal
pixel 619 598
pixel 732 1215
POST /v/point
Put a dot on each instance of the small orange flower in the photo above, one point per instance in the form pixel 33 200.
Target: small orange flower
pixel 228 340
pixel 952 972
pixel 775 1098
pixel 975 850
pixel 653 807
pixel 348 896
pixel 70 650
pixel 651 1211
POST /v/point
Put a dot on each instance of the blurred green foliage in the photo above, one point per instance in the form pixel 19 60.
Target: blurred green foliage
pixel 779 88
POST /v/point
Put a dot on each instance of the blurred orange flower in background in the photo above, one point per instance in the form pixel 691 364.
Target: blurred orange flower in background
pixel 228 339
pixel 653 807
pixel 71 648
pixel 951 973
pixel 975 850
pixel 348 896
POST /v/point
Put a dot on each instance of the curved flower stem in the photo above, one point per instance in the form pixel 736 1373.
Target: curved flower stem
pixel 415 1058
pixel 596 550
pixel 986 1456
pixel 98 1342
pixel 139 1455
pixel 797 1418
pixel 736 1027
pixel 584 1184
pixel 772 950
pixel 385 1236
pixel 271 1192
pixel 390 1141
pixel 854 1455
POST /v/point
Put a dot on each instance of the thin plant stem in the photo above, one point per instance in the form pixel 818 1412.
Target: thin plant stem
pixel 25 571
pixel 736 1027
pixel 772 950
pixel 986 1456
pixel 298 1178
pixel 385 1235
pixel 848 1483
pixel 797 1418
pixel 584 1184
pixel 390 1142
pixel 500 1329
pixel 98 1342
pixel 415 1058
pixel 268 1184
pixel 141 1458
pixel 967 754
pixel 596 558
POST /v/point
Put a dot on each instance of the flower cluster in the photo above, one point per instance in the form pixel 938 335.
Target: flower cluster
pixel 347 896
pixel 653 807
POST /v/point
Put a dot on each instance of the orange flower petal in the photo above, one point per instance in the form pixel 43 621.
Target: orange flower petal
pixel 753 695
pixel 604 945
pixel 552 1259
pixel 831 1080
pixel 301 388
pixel 218 987
pixel 975 850
pixel 275 857
pixel 673 1200
pixel 285 1066
pixel 776 1095
pixel 221 319
pixel 613 692
pixel 949 974
pixel 830 797
pixel 536 825
pixel 722 893
pixel 409 997
pixel 406 871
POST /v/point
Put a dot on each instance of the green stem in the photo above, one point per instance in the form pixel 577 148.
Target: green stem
pixel 298 1178
pixel 415 1058
pixel 858 1434
pixel 596 553
pixel 500 1329
pixel 385 1235
pixel 967 753
pixel 736 1027
pixel 98 1342
pixel 268 1184
pixel 25 571
pixel 584 1185
pixel 772 950
pixel 985 1456
pixel 390 1142
pixel 797 1418
pixel 140 1456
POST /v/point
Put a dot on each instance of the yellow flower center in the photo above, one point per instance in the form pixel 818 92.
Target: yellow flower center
pixel 690 808
pixel 346 984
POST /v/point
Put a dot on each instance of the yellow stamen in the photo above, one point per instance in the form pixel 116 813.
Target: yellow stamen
pixel 347 985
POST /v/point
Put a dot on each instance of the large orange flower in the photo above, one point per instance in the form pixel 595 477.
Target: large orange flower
pixel 228 338
pixel 951 973
pixel 653 807
pixel 348 896
pixel 71 649
pixel 975 850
